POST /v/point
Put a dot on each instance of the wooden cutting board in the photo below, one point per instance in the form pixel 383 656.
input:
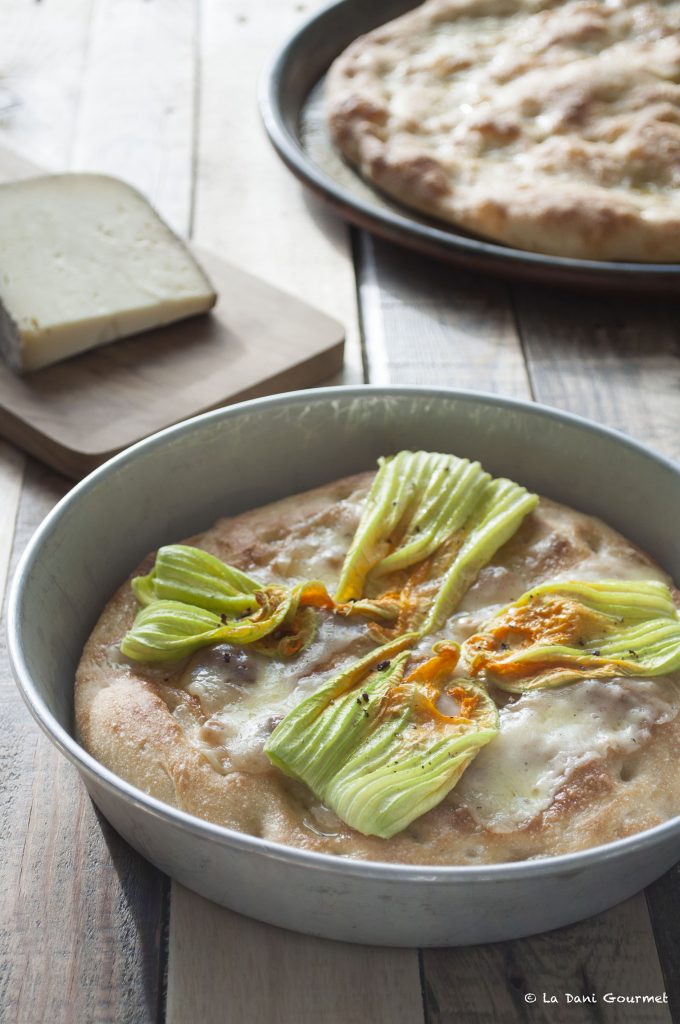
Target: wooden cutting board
pixel 256 341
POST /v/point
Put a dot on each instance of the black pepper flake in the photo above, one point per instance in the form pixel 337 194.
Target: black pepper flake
pixel 504 647
pixel 382 665
pixel 227 657
pixel 596 654
pixel 223 618
pixel 365 697
pixel 417 527
pixel 633 654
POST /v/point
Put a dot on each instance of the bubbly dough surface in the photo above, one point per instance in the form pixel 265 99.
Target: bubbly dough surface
pixel 595 764
pixel 549 126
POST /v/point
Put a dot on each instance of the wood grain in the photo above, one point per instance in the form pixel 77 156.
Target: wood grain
pixel 425 323
pixel 12 166
pixel 11 479
pixel 263 975
pixel 69 944
pixel 83 915
pixel 611 953
pixel 248 207
pixel 663 900
pixel 136 116
pixel 42 55
pixel 258 340
pixel 614 359
pixel 117 85
pixel 159 95
pixel 28 99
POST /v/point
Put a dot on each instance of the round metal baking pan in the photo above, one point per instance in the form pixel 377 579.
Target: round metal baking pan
pixel 177 483
pixel 291 105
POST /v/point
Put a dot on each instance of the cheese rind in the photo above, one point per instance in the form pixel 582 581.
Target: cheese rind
pixel 85 260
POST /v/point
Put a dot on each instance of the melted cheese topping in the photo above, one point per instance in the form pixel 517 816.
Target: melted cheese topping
pixel 564 774
pixel 244 697
pixel 236 697
pixel 545 735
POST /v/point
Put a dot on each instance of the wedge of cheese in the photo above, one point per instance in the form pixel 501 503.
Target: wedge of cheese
pixel 84 260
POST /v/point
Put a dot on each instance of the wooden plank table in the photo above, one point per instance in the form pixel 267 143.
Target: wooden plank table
pixel 164 95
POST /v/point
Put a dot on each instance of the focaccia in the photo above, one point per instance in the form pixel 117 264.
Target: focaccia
pixel 569 769
pixel 549 126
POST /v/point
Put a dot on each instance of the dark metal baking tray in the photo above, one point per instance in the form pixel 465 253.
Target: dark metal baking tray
pixel 291 105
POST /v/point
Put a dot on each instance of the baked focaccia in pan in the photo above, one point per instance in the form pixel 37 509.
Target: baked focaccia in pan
pixel 423 665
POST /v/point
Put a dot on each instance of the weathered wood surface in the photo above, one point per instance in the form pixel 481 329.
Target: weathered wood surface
pixel 614 359
pixel 663 900
pixel 247 207
pixel 83 915
pixel 248 971
pixel 164 95
pixel 426 323
pixel 137 113
pixel 43 49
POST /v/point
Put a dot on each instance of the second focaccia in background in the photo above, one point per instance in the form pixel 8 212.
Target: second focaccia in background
pixel 549 127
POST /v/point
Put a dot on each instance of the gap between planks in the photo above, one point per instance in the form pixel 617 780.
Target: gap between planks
pixel 12 464
pixel 38 122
